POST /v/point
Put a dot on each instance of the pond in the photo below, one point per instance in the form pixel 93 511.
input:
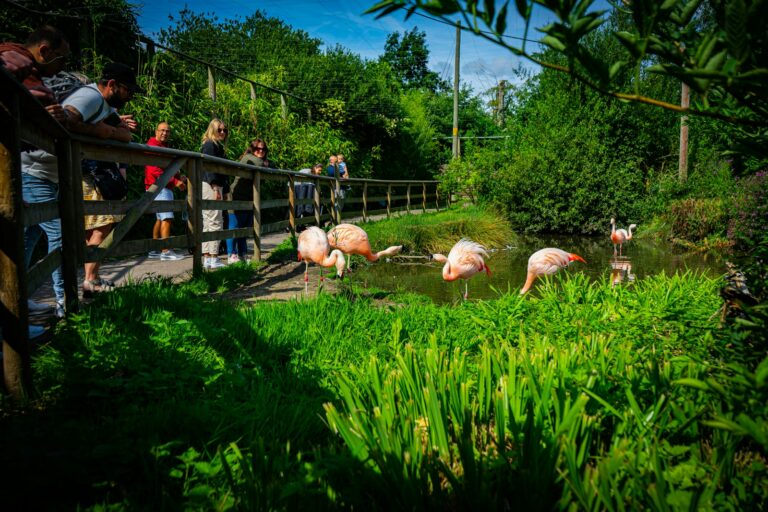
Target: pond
pixel 639 259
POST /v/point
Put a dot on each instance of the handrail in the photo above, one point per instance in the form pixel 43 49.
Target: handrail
pixel 41 130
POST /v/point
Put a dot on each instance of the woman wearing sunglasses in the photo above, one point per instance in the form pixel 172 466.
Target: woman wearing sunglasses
pixel 215 186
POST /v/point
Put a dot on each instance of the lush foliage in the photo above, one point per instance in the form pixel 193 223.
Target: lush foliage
pixel 408 58
pixel 547 402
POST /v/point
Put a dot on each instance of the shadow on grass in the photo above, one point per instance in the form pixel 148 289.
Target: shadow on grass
pixel 137 381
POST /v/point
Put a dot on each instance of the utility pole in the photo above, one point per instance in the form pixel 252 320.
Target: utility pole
pixel 685 100
pixel 456 93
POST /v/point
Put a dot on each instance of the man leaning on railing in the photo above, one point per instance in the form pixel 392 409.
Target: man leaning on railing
pixel 44 54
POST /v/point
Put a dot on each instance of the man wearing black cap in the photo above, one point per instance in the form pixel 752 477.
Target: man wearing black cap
pixel 93 111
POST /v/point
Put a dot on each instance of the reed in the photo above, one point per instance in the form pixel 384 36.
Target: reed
pixel 583 397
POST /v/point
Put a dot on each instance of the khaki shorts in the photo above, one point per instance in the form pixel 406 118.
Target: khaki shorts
pixel 90 193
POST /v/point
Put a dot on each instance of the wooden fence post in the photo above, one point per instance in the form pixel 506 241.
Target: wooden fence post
pixel 195 217
pixel 424 198
pixel 292 204
pixel 437 197
pixel 408 199
pixel 389 199
pixel 316 198
pixel 17 370
pixel 365 202
pixel 211 84
pixel 257 215
pixel 334 218
pixel 69 223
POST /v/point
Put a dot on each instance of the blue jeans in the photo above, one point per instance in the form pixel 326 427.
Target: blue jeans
pixel 39 190
pixel 239 219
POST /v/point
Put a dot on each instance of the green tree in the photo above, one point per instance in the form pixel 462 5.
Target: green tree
pixel 104 28
pixel 409 58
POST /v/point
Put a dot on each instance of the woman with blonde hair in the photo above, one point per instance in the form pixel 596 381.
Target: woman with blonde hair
pixel 214 188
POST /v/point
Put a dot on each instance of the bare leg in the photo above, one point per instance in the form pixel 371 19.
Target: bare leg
pixel 165 230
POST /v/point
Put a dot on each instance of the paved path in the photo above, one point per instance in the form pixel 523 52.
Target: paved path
pixel 141 267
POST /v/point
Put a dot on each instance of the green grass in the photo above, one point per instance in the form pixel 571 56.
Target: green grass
pixel 586 397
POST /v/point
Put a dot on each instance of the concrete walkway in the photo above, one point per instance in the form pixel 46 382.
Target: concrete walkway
pixel 140 267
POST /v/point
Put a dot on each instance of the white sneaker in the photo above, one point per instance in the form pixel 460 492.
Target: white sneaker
pixel 170 255
pixel 215 263
pixel 233 258
pixel 38 307
pixel 153 255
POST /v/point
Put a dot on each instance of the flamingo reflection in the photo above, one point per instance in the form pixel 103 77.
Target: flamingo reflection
pixel 621 270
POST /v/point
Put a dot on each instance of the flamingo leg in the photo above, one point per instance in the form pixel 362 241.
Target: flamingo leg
pixel 466 289
pixel 306 278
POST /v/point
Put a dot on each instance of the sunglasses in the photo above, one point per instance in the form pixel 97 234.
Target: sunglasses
pixel 260 148
pixel 223 130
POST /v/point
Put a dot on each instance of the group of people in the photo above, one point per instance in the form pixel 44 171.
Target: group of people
pixel 94 110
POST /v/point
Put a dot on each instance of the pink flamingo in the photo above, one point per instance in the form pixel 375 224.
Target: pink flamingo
pixel 351 239
pixel 313 246
pixel 547 262
pixel 464 261
pixel 620 236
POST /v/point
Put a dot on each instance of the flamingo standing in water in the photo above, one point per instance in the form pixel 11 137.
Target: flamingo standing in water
pixel 313 246
pixel 464 261
pixel 547 262
pixel 620 236
pixel 351 239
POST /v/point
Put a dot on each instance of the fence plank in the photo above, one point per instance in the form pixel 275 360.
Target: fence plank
pixel 70 223
pixel 137 210
pixel 17 371
pixel 195 222
pixel 257 216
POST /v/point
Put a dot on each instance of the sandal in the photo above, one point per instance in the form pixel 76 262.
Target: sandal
pixel 95 286
pixel 105 284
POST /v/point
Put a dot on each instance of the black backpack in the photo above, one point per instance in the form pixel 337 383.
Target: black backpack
pixel 64 83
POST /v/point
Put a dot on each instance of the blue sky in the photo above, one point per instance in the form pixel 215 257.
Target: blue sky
pixel 483 64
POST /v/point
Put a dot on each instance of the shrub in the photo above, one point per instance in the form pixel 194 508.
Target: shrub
pixel 749 210
pixel 695 219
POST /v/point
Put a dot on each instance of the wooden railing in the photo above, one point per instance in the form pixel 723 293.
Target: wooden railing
pixel 26 123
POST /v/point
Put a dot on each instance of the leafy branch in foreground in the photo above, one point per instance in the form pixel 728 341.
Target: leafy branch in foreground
pixel 716 47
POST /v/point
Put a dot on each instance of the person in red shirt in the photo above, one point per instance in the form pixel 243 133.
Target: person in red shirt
pixel 162 227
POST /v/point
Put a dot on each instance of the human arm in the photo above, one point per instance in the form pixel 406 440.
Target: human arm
pixel 100 130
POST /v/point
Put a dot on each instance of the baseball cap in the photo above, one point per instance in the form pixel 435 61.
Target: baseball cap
pixel 123 74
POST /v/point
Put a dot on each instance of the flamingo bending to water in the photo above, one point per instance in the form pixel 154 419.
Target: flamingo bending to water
pixel 313 246
pixel 547 262
pixel 464 261
pixel 351 239
pixel 620 236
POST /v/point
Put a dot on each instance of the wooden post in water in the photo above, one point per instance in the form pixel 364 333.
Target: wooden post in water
pixel 292 204
pixel 17 370
pixel 195 219
pixel 389 199
pixel 365 202
pixel 257 215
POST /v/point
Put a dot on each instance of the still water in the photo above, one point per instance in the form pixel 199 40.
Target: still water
pixel 639 259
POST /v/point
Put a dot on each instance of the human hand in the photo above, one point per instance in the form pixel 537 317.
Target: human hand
pixel 181 185
pixel 57 112
pixel 129 122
